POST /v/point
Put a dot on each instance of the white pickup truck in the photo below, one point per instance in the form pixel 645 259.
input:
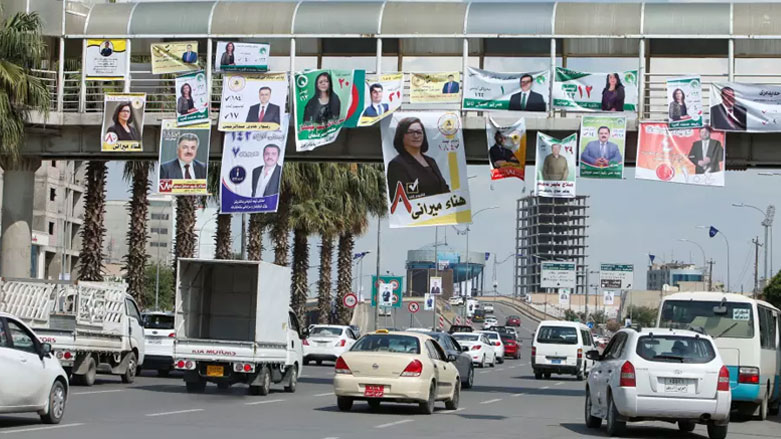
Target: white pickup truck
pixel 93 327
pixel 233 324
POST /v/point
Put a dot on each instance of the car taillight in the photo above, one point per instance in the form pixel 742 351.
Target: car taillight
pixel 748 375
pixel 496 343
pixel 180 364
pixel 342 367
pixel 580 354
pixel 67 355
pixel 627 375
pixel 476 347
pixel 534 351
pixel 340 343
pixel 306 343
pixel 172 335
pixel 723 385
pixel 413 369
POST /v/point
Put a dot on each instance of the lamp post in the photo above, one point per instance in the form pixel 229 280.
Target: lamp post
pixel 704 259
pixel 466 232
pixel 494 284
pixel 767 223
pixel 712 231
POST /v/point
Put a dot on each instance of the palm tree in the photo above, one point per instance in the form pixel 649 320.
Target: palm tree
pixel 328 227
pixel 137 172
pixel 258 223
pixel 93 230
pixel 222 237
pixel 185 229
pixel 280 225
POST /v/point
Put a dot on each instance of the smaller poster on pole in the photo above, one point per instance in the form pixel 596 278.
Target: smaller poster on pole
pixel 602 145
pixel 555 166
pixel 386 294
pixel 385 95
pixel 184 159
pixel 106 60
pixel 608 297
pixel 233 56
pixel 684 102
pixel 435 88
pixel 428 302
pixel 564 296
pixel 506 148
pixel 435 286
pixel 174 57
pixel 123 122
pixel 192 99
pixel 485 90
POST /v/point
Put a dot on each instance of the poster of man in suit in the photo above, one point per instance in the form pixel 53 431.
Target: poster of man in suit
pixel 523 91
pixel 184 159
pixel 384 94
pixel 602 141
pixel 745 107
pixel 253 102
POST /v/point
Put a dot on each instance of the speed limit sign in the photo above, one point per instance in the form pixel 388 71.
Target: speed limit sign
pixel 350 300
pixel 413 307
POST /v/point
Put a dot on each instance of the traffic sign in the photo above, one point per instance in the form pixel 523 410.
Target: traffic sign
pixel 413 307
pixel 350 300
pixel 616 276
pixel 558 275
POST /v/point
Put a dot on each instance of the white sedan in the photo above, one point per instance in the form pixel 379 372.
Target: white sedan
pixel 159 342
pixel 478 346
pixel 495 340
pixel 327 343
pixel 659 374
pixel 31 380
pixel 490 322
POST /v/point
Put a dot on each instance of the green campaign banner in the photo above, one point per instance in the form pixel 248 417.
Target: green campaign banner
pixel 192 99
pixel 485 90
pixel 323 101
pixel 684 102
pixel 393 284
pixel 602 146
pixel 583 91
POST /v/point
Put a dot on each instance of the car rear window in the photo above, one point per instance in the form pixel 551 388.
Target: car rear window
pixel 492 335
pixel 675 349
pixel 325 332
pixel 152 321
pixel 465 337
pixel 505 339
pixel 557 335
pixel 387 343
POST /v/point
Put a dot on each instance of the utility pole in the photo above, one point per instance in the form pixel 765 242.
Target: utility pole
pixel 710 275
pixel 756 243
pixel 375 287
pixel 244 236
pixel 586 291
pixel 436 271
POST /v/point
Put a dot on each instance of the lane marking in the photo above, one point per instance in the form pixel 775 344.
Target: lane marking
pixel 174 413
pixel 500 369
pixel 447 412
pixel 559 383
pixel 264 402
pixel 491 401
pixel 545 388
pixel 324 394
pixel 391 424
pixel 99 391
pixel 52 427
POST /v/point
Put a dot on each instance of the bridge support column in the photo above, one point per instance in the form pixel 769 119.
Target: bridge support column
pixel 17 216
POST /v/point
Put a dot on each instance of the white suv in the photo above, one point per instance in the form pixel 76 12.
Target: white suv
pixel 659 374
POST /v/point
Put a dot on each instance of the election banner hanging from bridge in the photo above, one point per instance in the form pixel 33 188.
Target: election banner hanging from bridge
pixel 323 105
pixel 753 108
pixel 433 194
pixel 192 99
pixel 435 88
pixel 174 57
pixel 684 102
pixel 184 159
pixel 689 156
pixel 384 96
pixel 106 60
pixel 555 166
pixel 123 122
pixel 485 90
pixel 582 91
pixel 251 171
pixel 233 56
pixel 506 148
pixel 253 102
pixel 602 146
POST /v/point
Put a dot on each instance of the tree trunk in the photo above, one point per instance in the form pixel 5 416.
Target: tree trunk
pixel 324 287
pixel 255 237
pixel 136 259
pixel 93 229
pixel 280 232
pixel 222 238
pixel 345 277
pixel 185 230
pixel 299 278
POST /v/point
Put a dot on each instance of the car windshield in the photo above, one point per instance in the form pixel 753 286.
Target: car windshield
pixel 492 335
pixel 675 349
pixel 324 331
pixel 387 343
pixel 557 335
pixel 736 322
pixel 158 321
pixel 466 337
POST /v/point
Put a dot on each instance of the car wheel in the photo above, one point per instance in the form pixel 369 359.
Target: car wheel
pixel 470 378
pixel 163 373
pixel 452 403
pixel 537 375
pixel 483 364
pixel 265 383
pixel 292 381
pixel 717 431
pixel 500 360
pixel 427 407
pixel 374 404
pixel 686 426
pixel 763 407
pixel 319 362
pixel 344 403
pixel 591 421
pixel 547 375
pixel 92 372
pixel 306 362
pixel 773 409
pixel 195 387
pixel 130 374
pixel 57 399
pixel 581 373
pixel 614 426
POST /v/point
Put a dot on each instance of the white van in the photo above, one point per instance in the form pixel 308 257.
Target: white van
pixel 560 347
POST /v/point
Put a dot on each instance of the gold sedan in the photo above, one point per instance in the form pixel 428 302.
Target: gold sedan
pixel 397 367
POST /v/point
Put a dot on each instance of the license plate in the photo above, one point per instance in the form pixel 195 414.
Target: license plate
pixel 214 371
pixel 676 385
pixel 556 361
pixel 155 341
pixel 374 391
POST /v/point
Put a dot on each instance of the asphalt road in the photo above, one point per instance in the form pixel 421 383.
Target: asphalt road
pixel 506 402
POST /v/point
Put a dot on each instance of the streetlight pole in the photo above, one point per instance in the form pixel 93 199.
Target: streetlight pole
pixel 726 241
pixel 767 223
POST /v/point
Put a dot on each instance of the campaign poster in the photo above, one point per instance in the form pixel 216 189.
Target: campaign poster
pixel 430 195
pixel 753 108
pixel 583 91
pixel 602 146
pixel 435 88
pixel 486 90
pixel 253 102
pixel 684 102
pixel 689 156
pixel 435 285
pixel 192 99
pixel 555 166
pixel 385 95
pixel 123 122
pixel 251 171
pixel 322 103
pixel 506 148
pixel 106 60
pixel 174 57
pixel 234 56
pixel 184 158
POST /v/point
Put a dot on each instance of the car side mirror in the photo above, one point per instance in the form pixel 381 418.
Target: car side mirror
pixel 593 355
pixel 464 348
pixel 46 350
pixel 304 333
pixel 451 358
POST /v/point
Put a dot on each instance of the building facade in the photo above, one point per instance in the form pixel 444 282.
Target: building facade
pixel 672 274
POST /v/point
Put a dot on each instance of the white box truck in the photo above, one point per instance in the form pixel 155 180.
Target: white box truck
pixel 93 327
pixel 234 324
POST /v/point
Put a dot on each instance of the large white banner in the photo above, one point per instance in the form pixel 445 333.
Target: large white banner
pixel 745 107
pixel 232 56
pixel 254 102
pixel 425 164
pixel 555 166
pixel 106 60
pixel 583 91
pixel 506 91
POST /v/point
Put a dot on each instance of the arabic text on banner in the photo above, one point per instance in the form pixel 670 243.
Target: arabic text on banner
pixel 184 159
pixel 690 156
pixel 233 56
pixel 506 148
pixel 192 99
pixel 384 97
pixel 602 146
pixel 174 57
pixel 753 108
pixel 581 91
pixel 253 102
pixel 435 88
pixel 123 122
pixel 555 166
pixel 322 106
pixel 506 91
pixel 684 102
pixel 251 171
pixel 105 60
pixel 435 194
